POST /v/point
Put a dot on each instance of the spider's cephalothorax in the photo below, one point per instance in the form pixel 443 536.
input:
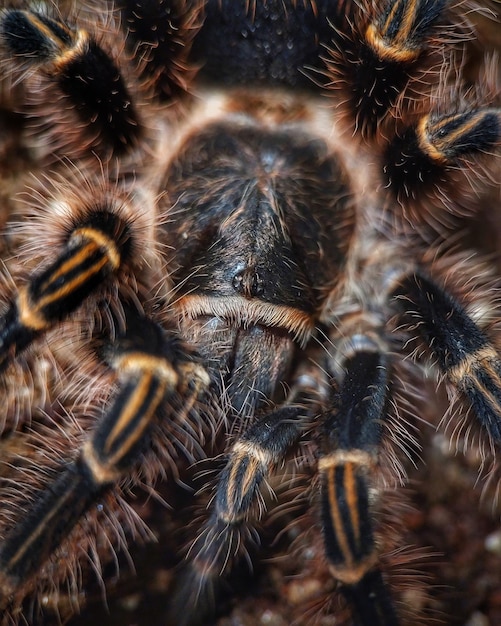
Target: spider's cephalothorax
pixel 226 233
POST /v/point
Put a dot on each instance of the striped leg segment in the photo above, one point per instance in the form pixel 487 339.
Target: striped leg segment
pixel 421 156
pixel 251 460
pixel 97 247
pixel 149 364
pixel 374 62
pixel 353 434
pixel 86 76
pixel 224 539
pixel 400 31
pixel 463 352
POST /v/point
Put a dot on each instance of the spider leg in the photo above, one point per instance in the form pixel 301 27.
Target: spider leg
pixel 151 367
pixel 82 71
pixel 238 504
pixel 425 153
pixel 98 246
pixel 377 50
pixel 462 350
pixel 352 436
pixel 250 462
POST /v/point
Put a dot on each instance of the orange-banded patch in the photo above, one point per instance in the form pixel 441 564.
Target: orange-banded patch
pixel 389 50
pixel 243 475
pixel 44 525
pixel 118 439
pixel 101 240
pixel 346 520
pixel 483 357
pixel 478 376
pixel 193 382
pixel 60 288
pixel 445 138
pixel 65 43
pixel 137 363
pixel 70 53
pixel 71 273
pixel 30 315
pixel 398 36
pixel 55 35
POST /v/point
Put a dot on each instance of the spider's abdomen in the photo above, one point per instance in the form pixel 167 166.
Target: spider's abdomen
pixel 265 43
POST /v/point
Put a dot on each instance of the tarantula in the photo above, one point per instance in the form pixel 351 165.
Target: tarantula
pixel 230 230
